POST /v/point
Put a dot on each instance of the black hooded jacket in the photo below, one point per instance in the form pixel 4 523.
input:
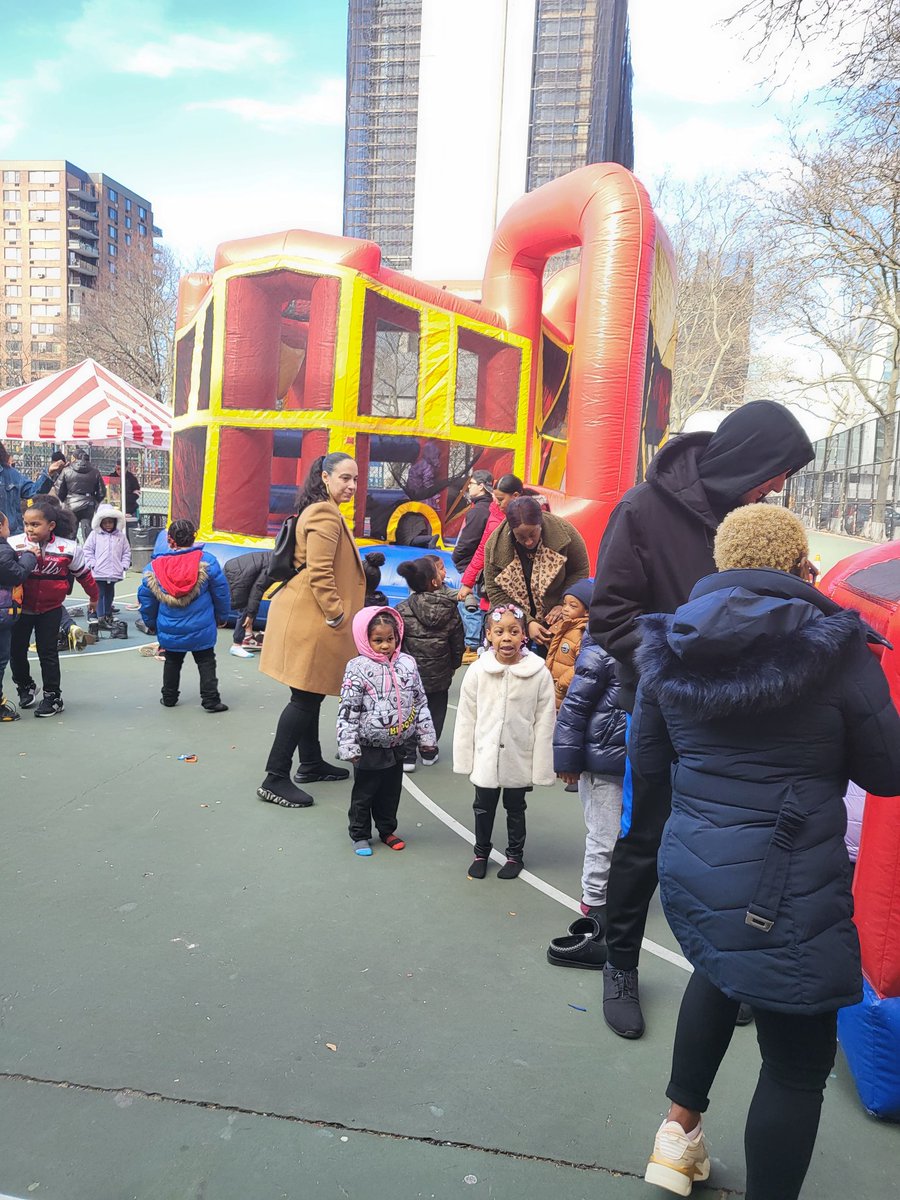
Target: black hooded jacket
pixel 470 535
pixel 81 487
pixel 659 540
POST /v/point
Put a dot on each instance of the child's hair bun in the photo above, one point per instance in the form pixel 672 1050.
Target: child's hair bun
pixel 375 558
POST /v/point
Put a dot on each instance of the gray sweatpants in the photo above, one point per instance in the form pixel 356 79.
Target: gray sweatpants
pixel 601 798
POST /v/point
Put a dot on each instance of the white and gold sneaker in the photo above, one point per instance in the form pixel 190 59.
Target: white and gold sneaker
pixel 677 1162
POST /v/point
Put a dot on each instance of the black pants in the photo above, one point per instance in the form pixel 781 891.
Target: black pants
pixel 375 797
pixel 485 807
pixel 437 706
pixel 633 875
pixel 46 638
pixel 298 729
pixel 206 665
pixel 797 1056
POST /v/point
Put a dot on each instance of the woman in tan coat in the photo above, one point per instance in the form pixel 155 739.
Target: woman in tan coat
pixel 309 638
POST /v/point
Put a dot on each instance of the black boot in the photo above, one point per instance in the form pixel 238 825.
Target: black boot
pixel 320 772
pixel 275 789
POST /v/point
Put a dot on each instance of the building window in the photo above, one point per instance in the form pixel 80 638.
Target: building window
pixel 44 214
pixel 142 230
pixel 40 177
pixel 12 310
pixel 38 327
pixel 45 347
pixel 11 253
pixel 113 252
pixel 127 204
pixel 112 213
pixel 44 253
pixel 12 272
pixel 11 197
pixel 10 176
pixel 128 222
pixel 12 235
pixel 13 326
pixel 113 232
pixel 112 268
pixel 12 289
pixel 127 239
pixel 43 235
pixel 142 213
pixel 44 198
pixel 42 292
pixel 13 346
pixel 48 273
pixel 112 194
pixel 46 310
pixel 10 214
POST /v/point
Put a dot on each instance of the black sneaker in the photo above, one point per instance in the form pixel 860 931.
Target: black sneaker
pixel 621 1002
pixel 320 772
pixel 217 707
pixel 8 711
pixel 478 869
pixel 27 697
pixel 168 701
pixel 745 1016
pixel 50 706
pixel 276 790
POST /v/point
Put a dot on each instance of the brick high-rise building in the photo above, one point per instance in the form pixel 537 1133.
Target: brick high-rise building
pixel 65 232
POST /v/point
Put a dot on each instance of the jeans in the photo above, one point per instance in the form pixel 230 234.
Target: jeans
pixel 298 729
pixel 601 798
pixel 798 1053
pixel 5 639
pixel 107 590
pixel 239 631
pixel 46 637
pixel 375 797
pixel 485 807
pixel 632 871
pixel 473 625
pixel 206 665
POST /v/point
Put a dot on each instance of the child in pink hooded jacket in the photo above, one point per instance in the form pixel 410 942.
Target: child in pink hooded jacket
pixel 382 707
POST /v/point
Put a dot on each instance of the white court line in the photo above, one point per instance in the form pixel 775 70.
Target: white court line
pixel 535 881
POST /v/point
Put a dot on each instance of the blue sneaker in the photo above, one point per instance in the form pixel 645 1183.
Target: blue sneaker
pixel 363 849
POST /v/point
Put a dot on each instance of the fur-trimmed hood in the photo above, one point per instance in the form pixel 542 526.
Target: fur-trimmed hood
pixel 746 641
pixel 106 511
pixel 177 578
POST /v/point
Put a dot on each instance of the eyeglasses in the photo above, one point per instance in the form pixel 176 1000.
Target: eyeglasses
pixel 498 613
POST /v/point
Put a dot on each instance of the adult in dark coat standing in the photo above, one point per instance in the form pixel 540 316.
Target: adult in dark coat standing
pixel 81 488
pixel 768 699
pixel 657 545
pixel 479 494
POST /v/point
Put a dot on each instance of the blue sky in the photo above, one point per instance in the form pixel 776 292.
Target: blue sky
pixel 229 116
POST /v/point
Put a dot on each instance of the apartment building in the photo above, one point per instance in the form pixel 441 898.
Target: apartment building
pixel 65 233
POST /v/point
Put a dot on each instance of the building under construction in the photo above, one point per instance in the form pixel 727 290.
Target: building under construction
pixel 455 110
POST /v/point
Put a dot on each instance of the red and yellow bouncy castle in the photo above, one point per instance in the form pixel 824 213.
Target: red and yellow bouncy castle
pixel 870 1031
pixel 299 343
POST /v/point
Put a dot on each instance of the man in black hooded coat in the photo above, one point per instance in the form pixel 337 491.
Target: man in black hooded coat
pixel 657 545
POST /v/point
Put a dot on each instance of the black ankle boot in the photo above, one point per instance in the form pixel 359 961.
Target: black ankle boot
pixel 276 789
pixel 320 772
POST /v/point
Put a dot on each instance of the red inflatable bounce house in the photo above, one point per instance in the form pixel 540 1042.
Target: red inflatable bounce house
pixel 870 1032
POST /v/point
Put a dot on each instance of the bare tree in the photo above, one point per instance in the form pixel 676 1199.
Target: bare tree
pixel 15 355
pixel 130 326
pixel 837 213
pixel 720 255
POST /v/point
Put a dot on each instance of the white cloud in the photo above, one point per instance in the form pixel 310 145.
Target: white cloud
pixel 325 106
pixel 224 50
pixel 701 146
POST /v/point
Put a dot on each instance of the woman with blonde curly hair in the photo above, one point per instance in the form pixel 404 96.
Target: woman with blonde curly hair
pixel 764 695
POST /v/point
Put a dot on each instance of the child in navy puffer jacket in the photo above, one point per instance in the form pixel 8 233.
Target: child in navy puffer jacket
pixel 382 708
pixel 184 598
pixel 589 749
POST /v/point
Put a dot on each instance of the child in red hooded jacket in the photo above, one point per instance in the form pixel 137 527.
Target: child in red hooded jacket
pixel 44 591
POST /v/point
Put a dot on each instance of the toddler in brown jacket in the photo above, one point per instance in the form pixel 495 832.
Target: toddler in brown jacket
pixel 567 634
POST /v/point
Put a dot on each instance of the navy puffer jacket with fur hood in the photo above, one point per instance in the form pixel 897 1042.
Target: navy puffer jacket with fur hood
pixel 768 699
pixel 590 725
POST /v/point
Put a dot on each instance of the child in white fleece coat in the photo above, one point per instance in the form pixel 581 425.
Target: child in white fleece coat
pixel 503 738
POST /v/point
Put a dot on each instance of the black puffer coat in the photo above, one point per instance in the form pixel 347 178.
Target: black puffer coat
pixel 590 726
pixel 769 699
pixel 659 538
pixel 248 578
pixel 81 488
pixel 433 634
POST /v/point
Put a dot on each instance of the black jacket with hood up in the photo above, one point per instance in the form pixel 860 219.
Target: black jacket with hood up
pixel 659 540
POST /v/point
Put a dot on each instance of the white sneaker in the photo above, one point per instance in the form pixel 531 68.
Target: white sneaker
pixel 240 652
pixel 409 767
pixel 677 1162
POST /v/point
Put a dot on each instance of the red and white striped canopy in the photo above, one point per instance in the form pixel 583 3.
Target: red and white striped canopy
pixel 86 403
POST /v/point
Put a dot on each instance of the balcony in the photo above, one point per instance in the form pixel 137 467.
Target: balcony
pixel 78 210
pixel 79 227
pixel 82 268
pixel 84 248
pixel 82 193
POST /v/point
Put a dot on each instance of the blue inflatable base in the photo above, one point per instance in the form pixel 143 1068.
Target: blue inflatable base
pixel 870 1036
pixel 391 583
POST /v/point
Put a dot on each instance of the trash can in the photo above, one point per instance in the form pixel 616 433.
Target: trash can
pixel 142 540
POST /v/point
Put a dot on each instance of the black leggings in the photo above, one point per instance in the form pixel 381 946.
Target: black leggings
pixel 797 1056
pixel 485 806
pixel 298 729
pixel 45 627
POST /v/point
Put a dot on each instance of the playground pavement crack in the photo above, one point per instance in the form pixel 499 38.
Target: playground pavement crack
pixel 338 1126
